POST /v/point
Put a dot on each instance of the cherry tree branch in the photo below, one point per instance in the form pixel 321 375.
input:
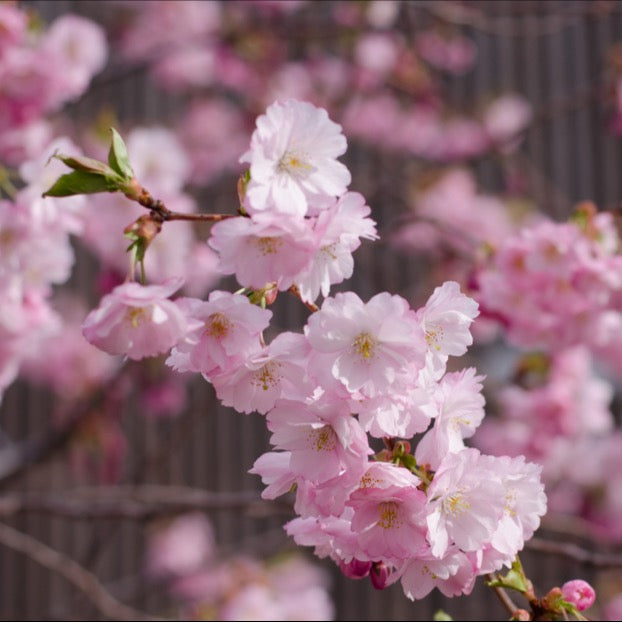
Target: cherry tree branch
pixel 503 597
pixel 575 552
pixel 140 502
pixel 77 575
pixel 163 214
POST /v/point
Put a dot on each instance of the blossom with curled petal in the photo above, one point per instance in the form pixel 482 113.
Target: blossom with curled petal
pixel 293 160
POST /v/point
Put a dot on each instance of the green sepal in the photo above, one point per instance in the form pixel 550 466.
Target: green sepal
pixel 441 616
pixel 118 158
pixel 81 182
pixel 514 579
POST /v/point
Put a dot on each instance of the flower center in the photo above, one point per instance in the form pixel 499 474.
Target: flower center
pixel 268 246
pixel 294 164
pixel 365 345
pixel 455 504
pixel 136 316
pixel 323 439
pixel 268 376
pixel 217 325
pixel 434 336
pixel 389 515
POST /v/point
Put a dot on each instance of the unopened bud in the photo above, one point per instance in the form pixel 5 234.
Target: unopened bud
pixel 579 593
pixel 355 569
pixel 379 575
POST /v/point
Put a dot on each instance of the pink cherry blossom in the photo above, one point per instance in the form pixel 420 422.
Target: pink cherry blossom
pixel 446 319
pixel 266 248
pixel 337 234
pixel 389 515
pixel 137 320
pixel 370 343
pixel 465 503
pixel 293 160
pixel 224 330
pixel 324 440
pixel 271 373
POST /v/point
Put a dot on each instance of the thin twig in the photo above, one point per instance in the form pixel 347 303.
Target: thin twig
pixel 310 305
pixel 16 459
pixel 502 595
pixel 77 575
pixel 573 551
pixel 140 502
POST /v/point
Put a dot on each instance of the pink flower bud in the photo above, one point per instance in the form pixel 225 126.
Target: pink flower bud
pixel 379 575
pixel 355 569
pixel 579 593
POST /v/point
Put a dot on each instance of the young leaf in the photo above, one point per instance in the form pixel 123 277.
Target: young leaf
pixel 81 182
pixel 86 165
pixel 118 157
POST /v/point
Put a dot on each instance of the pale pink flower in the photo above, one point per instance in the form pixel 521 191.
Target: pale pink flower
pixel 274 469
pixel 446 319
pixel 465 503
pixel 224 331
pixel 332 536
pixel 293 160
pixel 455 54
pixel 458 408
pixel 337 234
pixel 137 320
pixel 376 52
pixel 525 502
pixel 400 413
pixel 505 118
pixel 182 547
pixel 77 49
pixel 323 438
pixel 277 371
pixel 265 248
pixel 158 159
pixel 453 574
pixel 213 135
pixel 389 513
pixel 371 343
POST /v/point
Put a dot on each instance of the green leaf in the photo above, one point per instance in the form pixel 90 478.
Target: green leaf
pixel 118 157
pixel 441 616
pixel 513 580
pixel 81 182
pixel 87 165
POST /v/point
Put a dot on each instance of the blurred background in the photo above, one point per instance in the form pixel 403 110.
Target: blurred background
pixel 512 108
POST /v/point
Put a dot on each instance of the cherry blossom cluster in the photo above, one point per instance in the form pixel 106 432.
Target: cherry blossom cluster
pixel 40 70
pixel 555 285
pixel 385 83
pixel 436 517
pixel 561 409
pixel 183 556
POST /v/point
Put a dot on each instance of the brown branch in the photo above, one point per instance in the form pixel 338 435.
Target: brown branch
pixel 17 458
pixel 575 552
pixel 310 305
pixel 503 597
pixel 135 502
pixel 161 213
pixel 77 575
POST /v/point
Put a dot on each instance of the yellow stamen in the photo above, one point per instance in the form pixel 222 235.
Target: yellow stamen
pixel 217 325
pixel 267 376
pixel 268 246
pixel 364 345
pixel 389 515
pixel 323 439
pixel 136 315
